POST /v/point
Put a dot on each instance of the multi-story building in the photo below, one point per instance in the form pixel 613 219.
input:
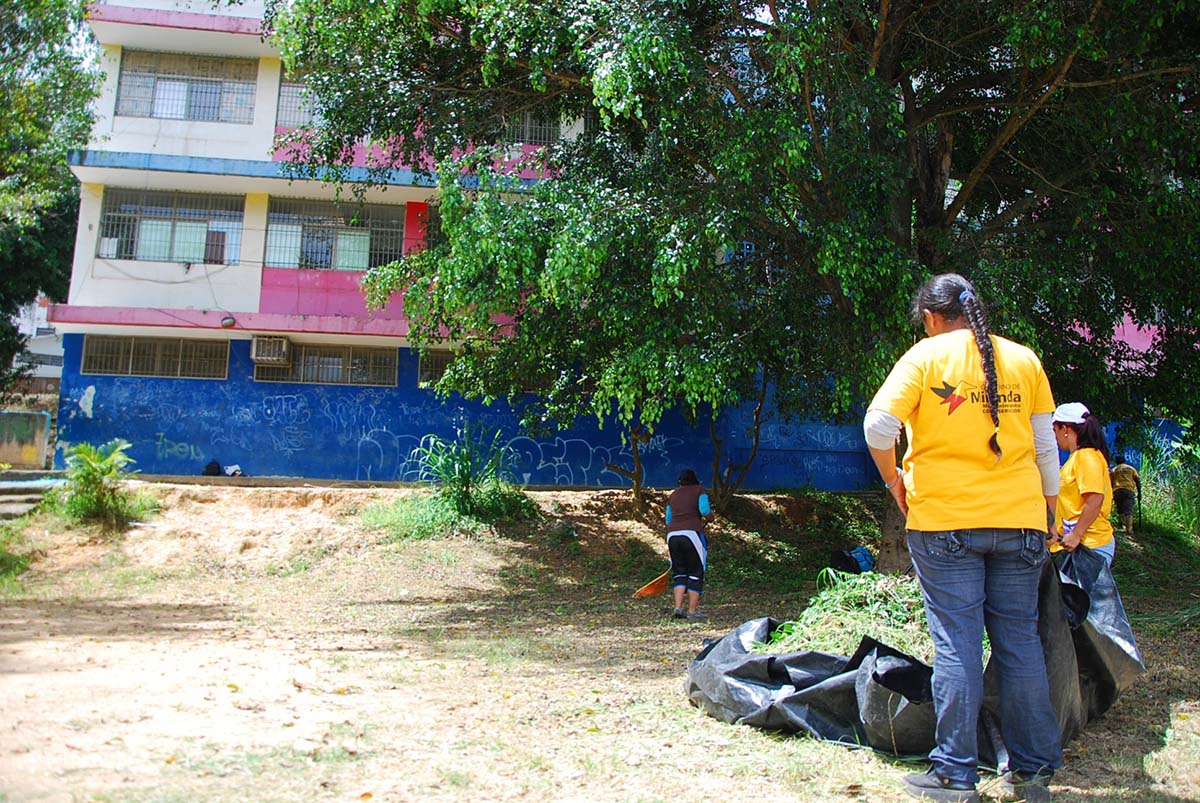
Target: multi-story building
pixel 215 309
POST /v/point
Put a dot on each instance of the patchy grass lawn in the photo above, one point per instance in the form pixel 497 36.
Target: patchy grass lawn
pixel 253 644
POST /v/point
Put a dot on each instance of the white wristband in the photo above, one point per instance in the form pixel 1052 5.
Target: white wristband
pixel 899 476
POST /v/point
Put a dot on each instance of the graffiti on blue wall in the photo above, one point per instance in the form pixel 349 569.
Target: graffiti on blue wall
pixel 176 426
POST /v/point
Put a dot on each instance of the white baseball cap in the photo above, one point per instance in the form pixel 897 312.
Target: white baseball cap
pixel 1070 413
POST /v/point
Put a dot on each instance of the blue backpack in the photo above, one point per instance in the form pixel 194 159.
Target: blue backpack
pixel 852 561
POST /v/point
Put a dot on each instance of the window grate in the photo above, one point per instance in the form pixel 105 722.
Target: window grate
pixel 327 236
pixel 432 366
pixel 334 365
pixel 155 356
pixel 170 227
pixel 535 129
pixel 176 86
pixel 296 106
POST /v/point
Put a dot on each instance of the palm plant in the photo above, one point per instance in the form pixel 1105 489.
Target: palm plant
pixel 95 477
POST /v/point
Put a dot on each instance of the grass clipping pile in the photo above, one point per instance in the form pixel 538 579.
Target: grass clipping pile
pixel 886 607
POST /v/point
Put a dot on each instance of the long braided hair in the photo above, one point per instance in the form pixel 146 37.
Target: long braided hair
pixel 952 297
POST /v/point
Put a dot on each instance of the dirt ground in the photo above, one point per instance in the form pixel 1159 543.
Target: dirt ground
pixel 260 645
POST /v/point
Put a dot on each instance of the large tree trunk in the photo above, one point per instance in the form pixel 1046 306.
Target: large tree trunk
pixel 636 474
pixel 727 482
pixel 893 555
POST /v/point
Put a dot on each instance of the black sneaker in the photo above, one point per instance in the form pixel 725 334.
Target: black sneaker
pixel 931 786
pixel 1031 787
pixel 695 617
pixel 680 613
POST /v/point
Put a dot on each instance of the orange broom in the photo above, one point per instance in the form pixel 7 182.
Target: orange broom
pixel 655 587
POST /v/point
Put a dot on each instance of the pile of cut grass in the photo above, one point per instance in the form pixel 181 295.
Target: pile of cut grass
pixel 847 607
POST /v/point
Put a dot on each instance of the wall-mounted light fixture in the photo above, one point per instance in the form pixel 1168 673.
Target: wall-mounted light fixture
pixel 228 321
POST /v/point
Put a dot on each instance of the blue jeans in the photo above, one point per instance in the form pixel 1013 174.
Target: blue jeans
pixel 972 579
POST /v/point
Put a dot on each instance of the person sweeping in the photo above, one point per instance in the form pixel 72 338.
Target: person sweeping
pixel 687 508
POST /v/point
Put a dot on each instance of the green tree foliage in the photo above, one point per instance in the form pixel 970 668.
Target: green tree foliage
pixel 1045 149
pixel 33 259
pixel 47 82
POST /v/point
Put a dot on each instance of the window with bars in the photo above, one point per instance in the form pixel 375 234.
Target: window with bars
pixel 170 227
pixel 535 129
pixel 296 106
pixel 176 86
pixel 591 122
pixel 334 365
pixel 432 365
pixel 29 358
pixel 155 356
pixel 327 236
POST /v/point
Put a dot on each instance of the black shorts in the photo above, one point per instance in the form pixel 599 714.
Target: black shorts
pixel 1123 500
pixel 687 566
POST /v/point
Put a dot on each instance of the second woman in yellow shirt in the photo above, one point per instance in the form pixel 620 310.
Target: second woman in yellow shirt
pixel 1085 493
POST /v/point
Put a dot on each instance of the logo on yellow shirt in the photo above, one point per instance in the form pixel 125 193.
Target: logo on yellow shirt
pixel 950 395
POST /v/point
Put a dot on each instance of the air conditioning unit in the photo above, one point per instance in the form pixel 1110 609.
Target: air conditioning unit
pixel 270 350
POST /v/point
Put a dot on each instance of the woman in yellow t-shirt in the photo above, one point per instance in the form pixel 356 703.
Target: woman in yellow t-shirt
pixel 979 477
pixel 1085 493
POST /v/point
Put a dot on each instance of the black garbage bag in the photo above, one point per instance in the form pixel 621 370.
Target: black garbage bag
pixel 800 692
pixel 880 697
pixel 1109 660
pixel 1058 605
pixel 895 699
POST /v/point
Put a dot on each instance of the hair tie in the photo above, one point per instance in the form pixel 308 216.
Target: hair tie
pixel 964 295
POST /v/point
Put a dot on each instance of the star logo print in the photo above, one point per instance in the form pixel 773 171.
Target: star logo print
pixel 949 395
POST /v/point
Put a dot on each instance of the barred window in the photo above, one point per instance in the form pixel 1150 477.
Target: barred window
pixel 329 236
pixel 155 356
pixel 30 358
pixel 176 86
pixel 296 106
pixel 170 227
pixel 535 129
pixel 591 121
pixel 432 365
pixel 334 365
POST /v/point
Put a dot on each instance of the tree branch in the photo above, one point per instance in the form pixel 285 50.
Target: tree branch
pixel 1137 76
pixel 877 49
pixel 1010 129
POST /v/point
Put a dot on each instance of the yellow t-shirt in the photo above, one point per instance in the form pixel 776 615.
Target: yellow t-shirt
pixel 1124 476
pixel 952 478
pixel 1085 472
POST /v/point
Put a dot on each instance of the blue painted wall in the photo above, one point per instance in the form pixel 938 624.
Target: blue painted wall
pixel 176 426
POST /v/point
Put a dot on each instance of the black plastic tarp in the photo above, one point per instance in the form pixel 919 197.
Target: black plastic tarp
pixel 882 698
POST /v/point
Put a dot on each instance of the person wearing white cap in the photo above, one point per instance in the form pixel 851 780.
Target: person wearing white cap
pixel 1085 493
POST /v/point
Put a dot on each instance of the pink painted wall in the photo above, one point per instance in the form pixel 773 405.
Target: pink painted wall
pixel 211 319
pixel 161 18
pixel 1140 339
pixel 291 291
pixel 361 156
